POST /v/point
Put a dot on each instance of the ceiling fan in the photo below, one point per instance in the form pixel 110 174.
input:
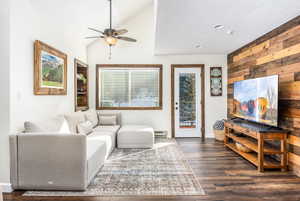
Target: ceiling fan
pixel 110 35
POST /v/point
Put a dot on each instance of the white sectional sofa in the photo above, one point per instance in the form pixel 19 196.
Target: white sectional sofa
pixel 64 153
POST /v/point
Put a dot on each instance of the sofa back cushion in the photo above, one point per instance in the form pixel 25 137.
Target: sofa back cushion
pixel 91 116
pixel 85 127
pixel 54 125
pixel 106 113
pixel 108 120
pixel 73 120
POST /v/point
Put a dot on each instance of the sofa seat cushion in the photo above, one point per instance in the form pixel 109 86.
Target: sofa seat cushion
pixel 96 152
pixel 113 129
pixel 109 138
pixel 135 136
pixel 92 145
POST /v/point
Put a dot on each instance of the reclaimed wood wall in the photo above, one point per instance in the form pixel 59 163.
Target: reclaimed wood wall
pixel 275 53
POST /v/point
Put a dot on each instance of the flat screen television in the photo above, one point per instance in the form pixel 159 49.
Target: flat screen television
pixel 257 100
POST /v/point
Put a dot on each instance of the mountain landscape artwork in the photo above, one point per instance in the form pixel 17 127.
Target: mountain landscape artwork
pixel 52 70
pixel 257 100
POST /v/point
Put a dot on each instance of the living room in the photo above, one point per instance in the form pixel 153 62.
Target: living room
pixel 153 100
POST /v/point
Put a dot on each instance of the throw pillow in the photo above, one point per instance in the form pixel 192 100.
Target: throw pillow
pixel 73 120
pixel 85 127
pixel 108 120
pixel 92 116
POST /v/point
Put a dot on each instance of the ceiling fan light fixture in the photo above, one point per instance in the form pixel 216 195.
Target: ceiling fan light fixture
pixel 111 40
pixel 219 26
pixel 230 32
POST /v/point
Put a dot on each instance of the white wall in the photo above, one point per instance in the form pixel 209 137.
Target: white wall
pixel 19 29
pixel 141 27
pixel 30 23
pixel 4 83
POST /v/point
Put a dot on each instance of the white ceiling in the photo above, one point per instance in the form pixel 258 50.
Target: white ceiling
pixel 182 24
pixel 75 16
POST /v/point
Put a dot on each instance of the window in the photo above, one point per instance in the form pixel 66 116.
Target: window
pixel 129 87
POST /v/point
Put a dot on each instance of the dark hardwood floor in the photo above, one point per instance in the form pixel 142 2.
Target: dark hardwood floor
pixel 223 175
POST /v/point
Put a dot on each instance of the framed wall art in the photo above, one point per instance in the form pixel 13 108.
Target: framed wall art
pixel 216 81
pixel 50 70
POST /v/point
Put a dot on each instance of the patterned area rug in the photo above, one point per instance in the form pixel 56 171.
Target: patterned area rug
pixel 130 172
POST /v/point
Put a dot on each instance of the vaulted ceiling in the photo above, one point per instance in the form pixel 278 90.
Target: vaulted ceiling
pixel 75 16
pixel 180 25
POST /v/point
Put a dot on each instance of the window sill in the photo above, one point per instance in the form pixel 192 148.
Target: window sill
pixel 129 108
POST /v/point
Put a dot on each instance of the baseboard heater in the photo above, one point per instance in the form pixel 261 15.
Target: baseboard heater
pixel 161 133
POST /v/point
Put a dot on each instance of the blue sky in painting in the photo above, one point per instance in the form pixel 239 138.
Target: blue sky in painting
pixel 245 90
pixel 49 57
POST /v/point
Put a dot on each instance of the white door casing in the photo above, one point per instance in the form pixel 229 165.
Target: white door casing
pixel 187 102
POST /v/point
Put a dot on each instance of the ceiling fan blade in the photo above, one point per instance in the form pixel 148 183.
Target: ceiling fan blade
pixel 90 37
pixel 127 39
pixel 121 31
pixel 96 30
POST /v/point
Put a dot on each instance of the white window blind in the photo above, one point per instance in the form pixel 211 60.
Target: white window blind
pixel 129 87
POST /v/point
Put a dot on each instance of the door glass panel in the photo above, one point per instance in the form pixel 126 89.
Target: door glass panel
pixel 187 100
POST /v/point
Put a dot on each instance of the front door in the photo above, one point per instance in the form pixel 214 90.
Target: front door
pixel 187 102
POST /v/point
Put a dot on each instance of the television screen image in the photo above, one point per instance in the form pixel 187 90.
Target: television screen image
pixel 257 100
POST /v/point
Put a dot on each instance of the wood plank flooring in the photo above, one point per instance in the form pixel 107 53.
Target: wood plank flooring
pixel 223 175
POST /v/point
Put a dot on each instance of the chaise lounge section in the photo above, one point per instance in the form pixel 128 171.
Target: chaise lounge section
pixel 135 136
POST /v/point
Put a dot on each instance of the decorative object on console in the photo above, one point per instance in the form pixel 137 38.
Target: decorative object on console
pixel 50 70
pixel 216 81
pixel 81 83
pixel 242 148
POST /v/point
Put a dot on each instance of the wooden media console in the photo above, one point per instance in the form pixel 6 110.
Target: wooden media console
pixel 254 136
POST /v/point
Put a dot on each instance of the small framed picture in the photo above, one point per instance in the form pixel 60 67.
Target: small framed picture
pixel 216 81
pixel 50 70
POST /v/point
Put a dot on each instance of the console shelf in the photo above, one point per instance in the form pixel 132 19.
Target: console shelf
pixel 252 144
pixel 254 137
pixel 252 157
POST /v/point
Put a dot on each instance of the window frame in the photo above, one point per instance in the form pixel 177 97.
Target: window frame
pixel 129 66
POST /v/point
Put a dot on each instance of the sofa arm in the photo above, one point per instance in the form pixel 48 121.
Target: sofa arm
pixel 49 161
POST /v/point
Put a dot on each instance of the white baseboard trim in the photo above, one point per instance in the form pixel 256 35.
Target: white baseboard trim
pixel 6 187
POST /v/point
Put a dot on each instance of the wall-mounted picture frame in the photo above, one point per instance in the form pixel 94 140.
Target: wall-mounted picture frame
pixel 216 81
pixel 50 70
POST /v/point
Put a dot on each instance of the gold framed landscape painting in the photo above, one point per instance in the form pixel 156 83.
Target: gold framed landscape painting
pixel 50 70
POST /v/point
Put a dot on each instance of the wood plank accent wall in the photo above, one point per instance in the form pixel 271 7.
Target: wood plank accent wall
pixel 277 52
